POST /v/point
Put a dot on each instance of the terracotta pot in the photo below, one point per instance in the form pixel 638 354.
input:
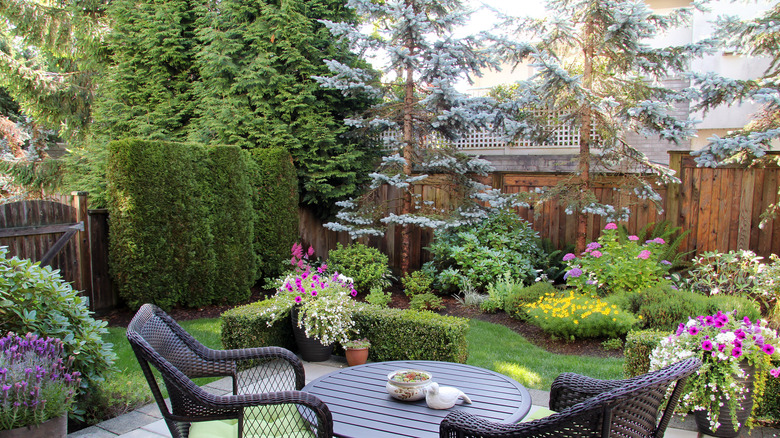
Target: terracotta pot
pixel 727 428
pixel 53 428
pixel 356 356
pixel 312 350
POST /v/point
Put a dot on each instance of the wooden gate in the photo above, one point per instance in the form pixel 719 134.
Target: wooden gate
pixel 56 234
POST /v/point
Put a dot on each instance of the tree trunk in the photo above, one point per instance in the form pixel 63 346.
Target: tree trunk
pixel 408 109
pixel 585 119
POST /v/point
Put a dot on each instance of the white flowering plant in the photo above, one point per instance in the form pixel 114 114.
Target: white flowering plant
pixel 725 344
pixel 613 264
pixel 324 302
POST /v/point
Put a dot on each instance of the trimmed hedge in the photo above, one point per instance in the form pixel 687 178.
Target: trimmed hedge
pixel 639 345
pixel 244 327
pixel 180 223
pixel 395 334
pixel 275 184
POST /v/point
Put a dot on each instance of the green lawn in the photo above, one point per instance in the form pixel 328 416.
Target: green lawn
pixel 498 348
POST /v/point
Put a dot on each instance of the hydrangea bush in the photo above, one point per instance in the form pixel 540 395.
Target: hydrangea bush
pixel 725 343
pixel 613 264
pixel 324 302
pixel 36 382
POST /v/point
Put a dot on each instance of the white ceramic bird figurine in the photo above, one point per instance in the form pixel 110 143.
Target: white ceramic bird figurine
pixel 443 397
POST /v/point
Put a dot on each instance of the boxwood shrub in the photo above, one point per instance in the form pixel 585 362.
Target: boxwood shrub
pixel 639 345
pixel 395 334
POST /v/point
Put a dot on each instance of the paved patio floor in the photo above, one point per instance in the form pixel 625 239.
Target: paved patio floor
pixel 147 422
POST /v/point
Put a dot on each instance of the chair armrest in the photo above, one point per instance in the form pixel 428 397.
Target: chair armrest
pixel 568 389
pixel 460 424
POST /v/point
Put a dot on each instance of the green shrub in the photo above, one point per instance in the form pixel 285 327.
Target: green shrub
pixel 36 299
pixel 639 345
pixel 574 315
pixel 394 334
pixel 244 327
pixel 515 304
pixel 503 243
pixel 275 184
pixel 498 293
pixel 770 403
pixel 367 266
pixel 397 334
pixel 426 301
pixel 664 308
pixel 378 297
pixel 614 264
pixel 161 248
pixel 416 283
pixel 231 222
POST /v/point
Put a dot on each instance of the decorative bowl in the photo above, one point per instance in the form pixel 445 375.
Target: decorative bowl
pixel 408 385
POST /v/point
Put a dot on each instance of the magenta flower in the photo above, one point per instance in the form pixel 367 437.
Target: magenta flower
pixel 633 238
pixel 593 245
pixel 644 255
pixel 611 226
pixel 768 349
pixel 706 345
pixel 680 329
pixel 314 293
pixel 596 253
pixel 709 320
pixel 693 330
pixel 569 256
pixel 736 352
pixel 298 299
pixel 310 252
pixel 739 334
pixel 322 268
pixel 721 347
pixel 353 293
pixel 775 372
pixel 659 241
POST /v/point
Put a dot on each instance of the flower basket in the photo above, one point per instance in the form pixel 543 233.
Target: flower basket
pixel 736 358
pixel 311 349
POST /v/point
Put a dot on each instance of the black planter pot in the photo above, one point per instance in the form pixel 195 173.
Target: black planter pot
pixel 727 428
pixel 312 350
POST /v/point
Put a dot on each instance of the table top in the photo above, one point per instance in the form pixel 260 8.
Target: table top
pixel 361 406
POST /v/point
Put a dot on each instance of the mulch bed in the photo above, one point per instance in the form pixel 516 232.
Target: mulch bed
pixel 587 347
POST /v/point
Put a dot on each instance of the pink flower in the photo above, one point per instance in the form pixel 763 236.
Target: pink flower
pixel 569 256
pixel 775 372
pixel 644 255
pixel 593 245
pixel 736 352
pixel 693 330
pixel 659 241
pixel 768 348
pixel 310 252
pixel 353 293
pixel 322 268
pixel 611 226
pixel 596 253
pixel 298 299
pixel 314 293
pixel 633 238
pixel 706 345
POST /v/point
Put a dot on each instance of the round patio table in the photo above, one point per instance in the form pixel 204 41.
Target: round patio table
pixel 362 408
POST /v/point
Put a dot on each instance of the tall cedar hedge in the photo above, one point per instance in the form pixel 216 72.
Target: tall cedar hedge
pixel 276 208
pixel 181 223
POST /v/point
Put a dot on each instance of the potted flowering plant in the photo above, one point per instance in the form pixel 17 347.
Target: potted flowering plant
pixel 736 355
pixel 356 351
pixel 37 387
pixel 320 305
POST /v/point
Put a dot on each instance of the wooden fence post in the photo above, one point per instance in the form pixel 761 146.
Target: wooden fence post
pixel 82 252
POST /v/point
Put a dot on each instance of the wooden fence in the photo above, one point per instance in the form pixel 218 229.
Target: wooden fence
pixel 66 236
pixel 720 206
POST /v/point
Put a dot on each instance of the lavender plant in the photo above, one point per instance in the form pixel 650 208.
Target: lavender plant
pixel 35 380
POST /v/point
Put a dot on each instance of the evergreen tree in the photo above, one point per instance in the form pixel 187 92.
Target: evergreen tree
pixel 148 89
pixel 419 104
pixel 758 37
pixel 596 69
pixel 49 56
pixel 256 60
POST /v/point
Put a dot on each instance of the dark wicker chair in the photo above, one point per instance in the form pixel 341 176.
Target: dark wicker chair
pixel 266 383
pixel 589 407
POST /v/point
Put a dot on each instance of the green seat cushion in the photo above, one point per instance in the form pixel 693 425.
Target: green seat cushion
pixel 538 414
pixel 273 421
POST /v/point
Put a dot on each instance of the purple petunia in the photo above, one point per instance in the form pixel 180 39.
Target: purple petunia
pixel 706 345
pixel 298 299
pixel 768 349
pixel 736 352
pixel 693 330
